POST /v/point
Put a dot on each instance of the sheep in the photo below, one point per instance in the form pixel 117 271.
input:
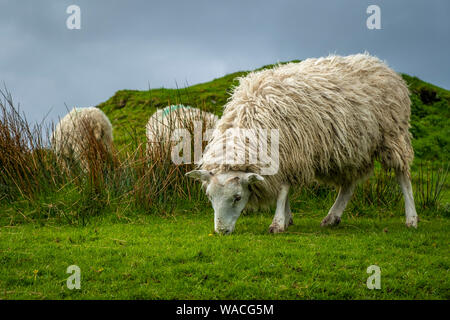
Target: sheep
pixel 335 116
pixel 82 134
pixel 163 122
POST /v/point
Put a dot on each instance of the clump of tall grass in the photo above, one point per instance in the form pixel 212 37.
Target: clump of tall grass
pixel 145 175
pixel 31 173
pixel 430 182
pixel 50 185
pixel 27 167
pixel 161 179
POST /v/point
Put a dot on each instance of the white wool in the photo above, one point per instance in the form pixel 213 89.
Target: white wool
pixel 71 134
pixel 335 116
pixel 163 122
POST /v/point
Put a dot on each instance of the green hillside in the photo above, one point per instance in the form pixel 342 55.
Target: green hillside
pixel 129 110
pixel 138 228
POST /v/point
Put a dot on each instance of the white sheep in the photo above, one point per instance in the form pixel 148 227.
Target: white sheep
pixel 80 132
pixel 163 122
pixel 334 115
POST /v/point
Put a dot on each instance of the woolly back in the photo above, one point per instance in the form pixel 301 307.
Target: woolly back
pixel 164 121
pixel 334 116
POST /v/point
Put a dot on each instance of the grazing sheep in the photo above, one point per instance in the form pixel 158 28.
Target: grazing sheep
pixel 335 116
pixel 80 132
pixel 163 122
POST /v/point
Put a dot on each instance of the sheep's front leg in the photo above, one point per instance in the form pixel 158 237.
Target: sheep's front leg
pixel 334 215
pixel 282 216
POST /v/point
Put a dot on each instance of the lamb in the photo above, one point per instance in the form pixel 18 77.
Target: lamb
pixel 83 133
pixel 163 122
pixel 335 116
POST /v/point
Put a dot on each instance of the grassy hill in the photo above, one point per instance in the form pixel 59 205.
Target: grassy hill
pixel 129 110
pixel 139 229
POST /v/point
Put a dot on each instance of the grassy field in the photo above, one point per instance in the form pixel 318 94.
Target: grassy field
pixel 179 257
pixel 139 229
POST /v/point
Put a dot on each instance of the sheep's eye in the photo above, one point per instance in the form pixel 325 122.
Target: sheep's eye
pixel 237 198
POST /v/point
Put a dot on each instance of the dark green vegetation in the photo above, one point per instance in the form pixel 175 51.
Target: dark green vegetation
pixel 430 120
pixel 139 229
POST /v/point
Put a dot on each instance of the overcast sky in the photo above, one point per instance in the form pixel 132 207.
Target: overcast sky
pixel 128 44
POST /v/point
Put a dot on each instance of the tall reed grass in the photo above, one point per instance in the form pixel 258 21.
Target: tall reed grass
pixel 48 185
pixel 430 182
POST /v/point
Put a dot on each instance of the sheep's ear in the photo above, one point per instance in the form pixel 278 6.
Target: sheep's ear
pixel 201 175
pixel 251 178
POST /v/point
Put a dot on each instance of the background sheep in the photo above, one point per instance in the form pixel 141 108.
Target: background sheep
pixel 85 135
pixel 335 116
pixel 163 122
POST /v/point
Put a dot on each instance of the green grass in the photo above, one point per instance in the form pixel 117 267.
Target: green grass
pixel 178 257
pixel 141 230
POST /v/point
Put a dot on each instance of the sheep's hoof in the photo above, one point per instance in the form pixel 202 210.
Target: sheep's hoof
pixel 275 228
pixel 412 221
pixel 330 220
pixel 291 222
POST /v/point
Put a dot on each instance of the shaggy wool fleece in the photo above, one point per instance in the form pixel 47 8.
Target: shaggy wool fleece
pixel 79 128
pixel 163 122
pixel 335 116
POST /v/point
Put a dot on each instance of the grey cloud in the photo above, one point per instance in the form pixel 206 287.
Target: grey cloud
pixel 126 44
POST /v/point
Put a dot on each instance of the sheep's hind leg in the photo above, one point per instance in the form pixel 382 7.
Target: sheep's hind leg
pixel 410 208
pixel 334 215
pixel 288 212
pixel 282 217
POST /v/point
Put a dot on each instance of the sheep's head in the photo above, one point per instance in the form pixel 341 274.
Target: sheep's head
pixel 229 193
